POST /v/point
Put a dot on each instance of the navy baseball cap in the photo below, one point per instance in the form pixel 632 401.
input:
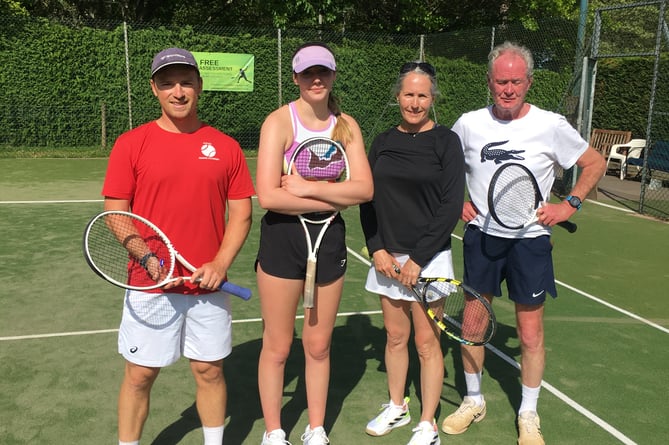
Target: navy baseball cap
pixel 172 56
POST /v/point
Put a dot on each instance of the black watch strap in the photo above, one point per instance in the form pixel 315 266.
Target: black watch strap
pixel 145 259
pixel 574 201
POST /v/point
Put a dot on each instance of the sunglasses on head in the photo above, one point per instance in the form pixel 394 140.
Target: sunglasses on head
pixel 424 66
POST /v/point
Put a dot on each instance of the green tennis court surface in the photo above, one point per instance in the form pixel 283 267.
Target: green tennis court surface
pixel 607 335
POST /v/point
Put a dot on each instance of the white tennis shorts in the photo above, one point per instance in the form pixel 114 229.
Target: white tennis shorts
pixel 157 329
pixel 441 265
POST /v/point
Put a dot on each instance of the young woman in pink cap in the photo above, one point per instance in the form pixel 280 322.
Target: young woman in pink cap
pixel 282 254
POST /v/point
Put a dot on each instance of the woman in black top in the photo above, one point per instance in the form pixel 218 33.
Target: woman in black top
pixel 419 181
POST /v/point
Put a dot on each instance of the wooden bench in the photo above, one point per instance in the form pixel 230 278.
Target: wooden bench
pixel 602 140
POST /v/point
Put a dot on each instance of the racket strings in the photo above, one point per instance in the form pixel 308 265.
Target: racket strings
pixel 116 244
pixel 514 198
pixel 476 324
pixel 464 315
pixel 321 161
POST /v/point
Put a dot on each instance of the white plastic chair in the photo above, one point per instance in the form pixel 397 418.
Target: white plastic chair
pixel 622 152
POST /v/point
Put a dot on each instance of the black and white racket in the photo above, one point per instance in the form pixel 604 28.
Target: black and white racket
pixel 467 317
pixel 131 252
pixel 317 159
pixel 514 197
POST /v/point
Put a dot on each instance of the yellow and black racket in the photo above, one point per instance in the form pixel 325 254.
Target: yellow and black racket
pixel 466 317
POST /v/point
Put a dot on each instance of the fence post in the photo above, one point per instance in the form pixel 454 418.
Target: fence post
pixel 103 129
pixel 278 65
pixel 127 73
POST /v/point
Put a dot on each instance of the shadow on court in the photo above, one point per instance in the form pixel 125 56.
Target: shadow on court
pixel 352 345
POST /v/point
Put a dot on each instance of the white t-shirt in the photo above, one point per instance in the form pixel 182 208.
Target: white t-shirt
pixel 541 141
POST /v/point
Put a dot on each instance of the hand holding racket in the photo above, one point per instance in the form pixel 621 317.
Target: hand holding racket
pixel 514 197
pixel 131 252
pixel 317 159
pixel 467 317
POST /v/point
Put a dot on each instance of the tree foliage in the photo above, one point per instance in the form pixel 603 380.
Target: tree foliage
pixel 395 16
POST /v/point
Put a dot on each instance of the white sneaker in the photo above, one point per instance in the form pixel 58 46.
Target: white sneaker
pixel 276 437
pixel 392 416
pixel 316 436
pixel 425 433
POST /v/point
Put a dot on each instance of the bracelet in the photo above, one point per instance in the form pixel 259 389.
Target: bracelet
pixel 145 259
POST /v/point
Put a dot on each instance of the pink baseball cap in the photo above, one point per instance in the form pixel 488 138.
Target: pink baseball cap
pixel 312 56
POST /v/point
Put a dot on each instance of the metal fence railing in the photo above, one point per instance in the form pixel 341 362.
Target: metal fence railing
pixel 639 31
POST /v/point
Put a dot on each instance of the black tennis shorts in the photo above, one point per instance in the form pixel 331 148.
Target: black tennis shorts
pixel 283 248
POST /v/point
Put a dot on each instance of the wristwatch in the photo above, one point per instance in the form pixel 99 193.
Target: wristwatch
pixel 574 201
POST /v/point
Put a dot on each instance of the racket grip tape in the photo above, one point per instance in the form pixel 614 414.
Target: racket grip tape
pixel 237 291
pixel 568 226
pixel 309 284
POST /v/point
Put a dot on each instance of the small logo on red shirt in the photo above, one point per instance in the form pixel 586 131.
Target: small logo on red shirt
pixel 208 150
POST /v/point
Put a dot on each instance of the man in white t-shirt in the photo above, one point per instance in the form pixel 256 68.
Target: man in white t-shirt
pixel 513 130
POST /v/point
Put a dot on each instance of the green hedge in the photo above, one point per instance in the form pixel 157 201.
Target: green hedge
pixel 622 96
pixel 58 78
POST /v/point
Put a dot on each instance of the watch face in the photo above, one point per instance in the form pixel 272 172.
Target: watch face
pixel 575 202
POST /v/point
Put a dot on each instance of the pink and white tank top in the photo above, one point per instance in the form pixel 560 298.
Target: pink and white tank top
pixel 302 133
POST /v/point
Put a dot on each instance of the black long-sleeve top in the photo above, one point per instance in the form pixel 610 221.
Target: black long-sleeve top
pixel 419 182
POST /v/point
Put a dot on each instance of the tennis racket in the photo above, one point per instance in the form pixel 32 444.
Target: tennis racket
pixel 131 252
pixel 317 159
pixel 514 197
pixel 467 317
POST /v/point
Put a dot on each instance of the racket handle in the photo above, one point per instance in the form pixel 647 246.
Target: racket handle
pixel 568 226
pixel 309 284
pixel 237 291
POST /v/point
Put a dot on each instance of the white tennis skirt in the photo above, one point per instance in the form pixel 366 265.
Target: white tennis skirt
pixel 441 265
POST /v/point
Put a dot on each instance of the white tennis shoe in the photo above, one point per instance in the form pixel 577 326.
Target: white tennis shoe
pixel 391 416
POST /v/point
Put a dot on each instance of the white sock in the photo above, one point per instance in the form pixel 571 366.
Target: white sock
pixel 134 442
pixel 473 382
pixel 213 435
pixel 530 397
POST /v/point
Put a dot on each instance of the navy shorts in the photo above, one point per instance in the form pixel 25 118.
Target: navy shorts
pixel 283 248
pixel 525 263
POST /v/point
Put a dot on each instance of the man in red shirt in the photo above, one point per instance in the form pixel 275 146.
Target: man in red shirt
pixel 184 176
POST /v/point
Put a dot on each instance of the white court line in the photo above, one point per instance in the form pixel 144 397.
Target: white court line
pixel 615 308
pixel 568 400
pixel 65 201
pixel 108 331
pixel 62 201
pixel 57 334
pixel 622 209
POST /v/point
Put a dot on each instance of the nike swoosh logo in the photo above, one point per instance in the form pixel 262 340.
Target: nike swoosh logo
pixel 535 295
